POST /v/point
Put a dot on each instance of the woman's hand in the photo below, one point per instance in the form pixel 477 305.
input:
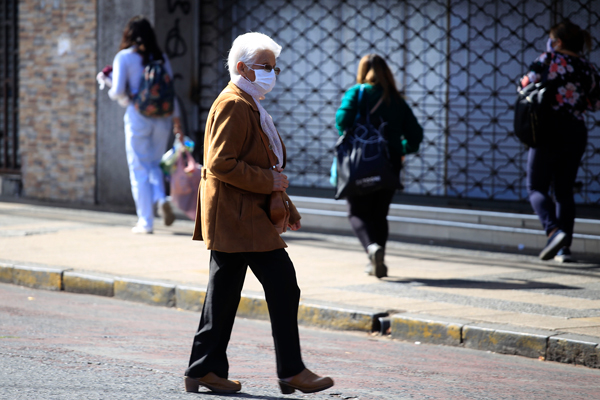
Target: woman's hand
pixel 280 181
pixel 295 226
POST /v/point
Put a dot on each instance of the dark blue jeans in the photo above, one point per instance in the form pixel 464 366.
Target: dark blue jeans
pixel 556 164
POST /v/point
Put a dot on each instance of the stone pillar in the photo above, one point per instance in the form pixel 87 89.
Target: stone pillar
pixel 57 99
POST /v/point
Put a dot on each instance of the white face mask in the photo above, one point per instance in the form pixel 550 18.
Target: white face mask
pixel 264 81
pixel 549 47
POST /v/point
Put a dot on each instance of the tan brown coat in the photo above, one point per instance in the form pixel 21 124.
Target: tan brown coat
pixel 236 179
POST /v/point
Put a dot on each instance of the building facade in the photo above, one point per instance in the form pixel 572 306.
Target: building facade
pixel 61 138
pixel 456 61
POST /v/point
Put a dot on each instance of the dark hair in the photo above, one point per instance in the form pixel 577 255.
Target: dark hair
pixel 373 69
pixel 138 31
pixel 573 38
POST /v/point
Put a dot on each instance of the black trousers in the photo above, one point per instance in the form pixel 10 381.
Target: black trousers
pixel 276 273
pixel 556 164
pixel 368 216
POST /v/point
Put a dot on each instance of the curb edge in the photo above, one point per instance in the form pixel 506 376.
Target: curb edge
pixel 546 345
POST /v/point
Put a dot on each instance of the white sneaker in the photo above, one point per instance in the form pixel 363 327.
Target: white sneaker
pixel 564 255
pixel 138 229
pixel 376 255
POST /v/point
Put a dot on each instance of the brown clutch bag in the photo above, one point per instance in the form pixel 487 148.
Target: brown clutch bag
pixel 279 211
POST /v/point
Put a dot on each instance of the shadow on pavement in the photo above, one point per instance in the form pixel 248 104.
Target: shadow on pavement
pixel 475 284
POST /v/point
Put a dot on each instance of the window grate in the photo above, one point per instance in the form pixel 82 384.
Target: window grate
pixel 456 61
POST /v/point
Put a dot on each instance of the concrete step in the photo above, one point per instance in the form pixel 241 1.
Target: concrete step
pixel 484 229
pixel 10 185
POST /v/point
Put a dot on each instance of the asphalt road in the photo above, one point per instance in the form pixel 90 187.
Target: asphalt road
pixel 68 346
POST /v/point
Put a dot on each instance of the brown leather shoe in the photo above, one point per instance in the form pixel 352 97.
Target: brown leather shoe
pixel 306 382
pixel 212 382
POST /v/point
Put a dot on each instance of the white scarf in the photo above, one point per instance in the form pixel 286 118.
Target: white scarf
pixel 266 121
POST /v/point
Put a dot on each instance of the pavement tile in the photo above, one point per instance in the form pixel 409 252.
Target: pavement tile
pixel 474 313
pixel 427 266
pixel 523 297
pixel 593 331
pixel 417 306
pixel 34 226
pixel 370 300
pixel 555 301
pixel 345 297
pixel 535 321
pixel 399 270
pixel 584 322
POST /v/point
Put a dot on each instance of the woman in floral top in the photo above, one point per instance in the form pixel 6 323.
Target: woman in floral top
pixel 573 85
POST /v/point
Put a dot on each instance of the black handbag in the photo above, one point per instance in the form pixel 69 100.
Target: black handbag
pixel 363 158
pixel 534 118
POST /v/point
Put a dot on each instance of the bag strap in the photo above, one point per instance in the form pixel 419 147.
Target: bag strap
pixel 377 105
pixel 362 93
pixel 360 96
pixel 191 162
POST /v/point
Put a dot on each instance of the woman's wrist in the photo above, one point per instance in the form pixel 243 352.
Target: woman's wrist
pixel 176 125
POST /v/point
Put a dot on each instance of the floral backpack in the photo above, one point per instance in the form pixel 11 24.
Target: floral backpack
pixel 156 95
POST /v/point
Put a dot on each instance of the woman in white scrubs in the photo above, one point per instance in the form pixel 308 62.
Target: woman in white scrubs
pixel 145 137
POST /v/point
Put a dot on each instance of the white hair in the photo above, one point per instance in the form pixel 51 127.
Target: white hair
pixel 245 48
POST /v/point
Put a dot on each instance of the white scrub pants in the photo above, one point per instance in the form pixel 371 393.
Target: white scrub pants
pixel 145 143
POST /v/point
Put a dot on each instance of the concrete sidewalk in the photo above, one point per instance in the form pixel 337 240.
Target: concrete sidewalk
pixel 506 303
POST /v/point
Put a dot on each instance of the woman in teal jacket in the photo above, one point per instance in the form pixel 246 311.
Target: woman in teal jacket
pixel 368 213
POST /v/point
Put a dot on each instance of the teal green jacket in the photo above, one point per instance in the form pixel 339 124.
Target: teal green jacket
pixel 405 133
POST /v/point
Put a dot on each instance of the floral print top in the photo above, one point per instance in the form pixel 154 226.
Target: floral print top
pixel 575 82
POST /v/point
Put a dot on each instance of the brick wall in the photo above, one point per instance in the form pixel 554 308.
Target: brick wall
pixel 57 99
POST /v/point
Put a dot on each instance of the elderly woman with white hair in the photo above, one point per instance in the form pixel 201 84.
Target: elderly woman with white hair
pixel 233 220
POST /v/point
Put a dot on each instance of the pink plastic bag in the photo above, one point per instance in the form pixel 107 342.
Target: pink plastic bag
pixel 185 181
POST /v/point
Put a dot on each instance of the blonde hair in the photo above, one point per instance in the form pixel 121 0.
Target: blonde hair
pixel 373 69
pixel 245 48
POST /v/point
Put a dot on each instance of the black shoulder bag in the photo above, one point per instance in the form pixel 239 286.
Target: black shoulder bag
pixel 533 115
